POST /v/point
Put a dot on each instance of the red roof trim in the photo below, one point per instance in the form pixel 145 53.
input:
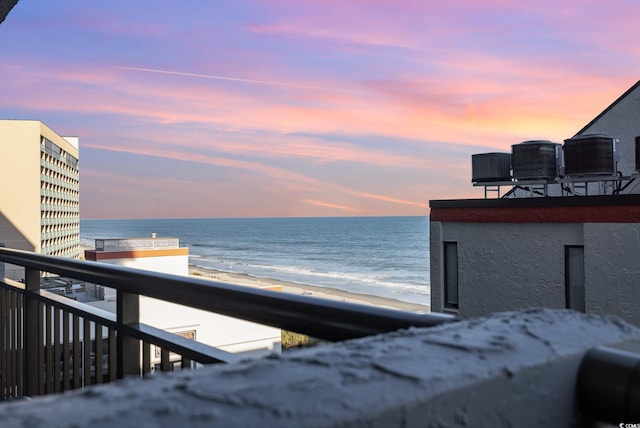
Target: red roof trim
pixel 558 214
pixel 134 254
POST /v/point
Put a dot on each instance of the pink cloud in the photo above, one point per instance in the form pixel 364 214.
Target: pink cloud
pixel 471 113
pixel 329 205
pixel 238 79
pixel 296 186
pixel 266 99
pixel 343 35
pixel 482 114
pixel 390 199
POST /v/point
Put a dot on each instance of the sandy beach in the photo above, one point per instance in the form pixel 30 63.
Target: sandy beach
pixel 305 290
pixel 301 289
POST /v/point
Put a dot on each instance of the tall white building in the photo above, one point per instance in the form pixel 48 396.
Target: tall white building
pixel 39 201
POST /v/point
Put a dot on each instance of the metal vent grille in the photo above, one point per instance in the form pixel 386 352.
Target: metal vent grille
pixel 535 160
pixel 490 167
pixel 589 155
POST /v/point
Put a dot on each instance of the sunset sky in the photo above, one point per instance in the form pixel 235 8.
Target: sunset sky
pixel 305 108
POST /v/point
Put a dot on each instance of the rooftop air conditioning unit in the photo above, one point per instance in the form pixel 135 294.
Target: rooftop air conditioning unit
pixel 490 167
pixel 590 154
pixel 536 160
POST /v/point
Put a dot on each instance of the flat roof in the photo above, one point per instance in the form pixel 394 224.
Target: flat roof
pixel 568 209
pixel 550 201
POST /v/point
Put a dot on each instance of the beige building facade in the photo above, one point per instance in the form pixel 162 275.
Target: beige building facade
pixel 39 195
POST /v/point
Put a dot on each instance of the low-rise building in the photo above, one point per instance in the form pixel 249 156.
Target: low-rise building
pixel 565 239
pixel 164 255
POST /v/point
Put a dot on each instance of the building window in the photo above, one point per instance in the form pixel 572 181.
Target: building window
pixel 450 275
pixel 574 277
pixel 72 161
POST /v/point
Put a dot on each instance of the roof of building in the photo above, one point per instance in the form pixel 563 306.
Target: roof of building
pixel 575 201
pixel 583 209
pixel 5 8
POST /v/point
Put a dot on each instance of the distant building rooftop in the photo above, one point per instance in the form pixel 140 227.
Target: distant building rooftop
pixel 80 291
pixel 120 244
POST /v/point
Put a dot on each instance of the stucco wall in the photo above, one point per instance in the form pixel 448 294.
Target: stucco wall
pixel 508 266
pixel 435 266
pixel 513 369
pixel 612 270
pixel 504 266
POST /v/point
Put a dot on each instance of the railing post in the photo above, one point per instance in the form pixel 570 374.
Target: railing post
pixel 128 356
pixel 32 333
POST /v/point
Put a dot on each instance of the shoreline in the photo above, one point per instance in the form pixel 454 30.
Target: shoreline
pixel 304 289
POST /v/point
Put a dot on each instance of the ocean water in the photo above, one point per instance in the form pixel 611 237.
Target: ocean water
pixel 380 256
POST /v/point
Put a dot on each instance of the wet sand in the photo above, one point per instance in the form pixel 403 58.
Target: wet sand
pixel 305 290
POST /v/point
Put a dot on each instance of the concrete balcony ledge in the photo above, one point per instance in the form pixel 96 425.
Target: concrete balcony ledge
pixel 511 369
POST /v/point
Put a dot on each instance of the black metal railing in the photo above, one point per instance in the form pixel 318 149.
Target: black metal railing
pixel 49 343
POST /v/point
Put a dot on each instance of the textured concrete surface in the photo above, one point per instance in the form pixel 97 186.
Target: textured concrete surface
pixel 612 272
pixel 510 266
pixel 511 369
pixel 496 269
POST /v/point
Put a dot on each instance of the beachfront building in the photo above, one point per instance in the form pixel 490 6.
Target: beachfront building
pixel 565 235
pixel 39 202
pixel 164 255
pixel 152 253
